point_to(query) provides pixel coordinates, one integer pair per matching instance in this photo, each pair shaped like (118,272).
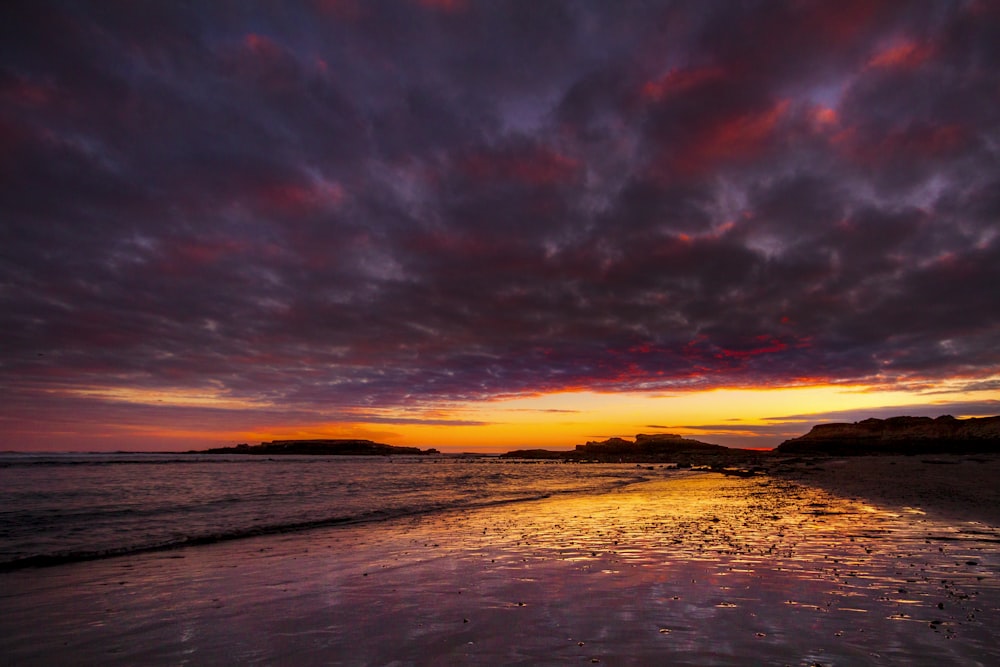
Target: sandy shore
(687,569)
(959,488)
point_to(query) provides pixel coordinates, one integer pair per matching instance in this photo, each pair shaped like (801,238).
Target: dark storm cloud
(356,204)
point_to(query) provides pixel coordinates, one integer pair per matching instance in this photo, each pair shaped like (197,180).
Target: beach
(958,487)
(687,568)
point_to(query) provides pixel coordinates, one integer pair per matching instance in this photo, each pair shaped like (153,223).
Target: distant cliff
(322,448)
(900,435)
(666,448)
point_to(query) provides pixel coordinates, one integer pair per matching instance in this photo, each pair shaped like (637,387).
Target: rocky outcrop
(655,446)
(543,454)
(900,435)
(660,448)
(322,448)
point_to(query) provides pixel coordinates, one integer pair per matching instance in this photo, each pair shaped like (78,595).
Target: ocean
(60,508)
(482,561)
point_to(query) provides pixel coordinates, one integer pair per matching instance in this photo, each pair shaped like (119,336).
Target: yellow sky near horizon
(115,418)
(735,417)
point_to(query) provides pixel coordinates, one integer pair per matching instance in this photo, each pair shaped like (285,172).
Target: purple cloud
(353,205)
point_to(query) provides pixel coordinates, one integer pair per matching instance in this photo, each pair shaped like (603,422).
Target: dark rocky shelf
(893,436)
(899,435)
(665,448)
(322,448)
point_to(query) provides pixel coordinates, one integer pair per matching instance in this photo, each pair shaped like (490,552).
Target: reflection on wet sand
(688,568)
(716,562)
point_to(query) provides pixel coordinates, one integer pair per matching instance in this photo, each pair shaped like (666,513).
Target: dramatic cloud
(337,205)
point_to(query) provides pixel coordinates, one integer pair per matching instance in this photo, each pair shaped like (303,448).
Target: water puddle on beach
(701,569)
(758,568)
(691,569)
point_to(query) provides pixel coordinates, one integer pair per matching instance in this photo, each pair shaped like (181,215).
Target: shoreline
(956,487)
(361,521)
(687,567)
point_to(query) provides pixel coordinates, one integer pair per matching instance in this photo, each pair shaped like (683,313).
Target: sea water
(686,568)
(68,507)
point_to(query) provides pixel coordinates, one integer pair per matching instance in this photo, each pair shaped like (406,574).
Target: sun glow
(737,417)
(179,419)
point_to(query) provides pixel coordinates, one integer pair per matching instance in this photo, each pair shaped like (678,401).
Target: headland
(322,448)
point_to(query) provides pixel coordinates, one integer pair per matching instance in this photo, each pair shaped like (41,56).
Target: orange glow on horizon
(180,420)
(752,418)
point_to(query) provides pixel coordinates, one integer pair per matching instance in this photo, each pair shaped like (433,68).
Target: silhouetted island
(322,448)
(899,435)
(658,448)
(896,435)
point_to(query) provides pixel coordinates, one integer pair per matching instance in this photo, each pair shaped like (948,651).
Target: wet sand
(686,569)
(961,488)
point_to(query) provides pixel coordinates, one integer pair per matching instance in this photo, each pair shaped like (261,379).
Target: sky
(481,226)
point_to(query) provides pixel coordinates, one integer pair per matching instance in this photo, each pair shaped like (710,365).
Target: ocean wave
(54,558)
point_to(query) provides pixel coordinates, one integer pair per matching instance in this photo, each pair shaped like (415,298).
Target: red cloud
(261,46)
(348,10)
(28,93)
(455,244)
(263,61)
(905,55)
(743,134)
(840,22)
(823,117)
(540,166)
(728,139)
(446,6)
(206,252)
(189,256)
(765,345)
(299,199)
(678,81)
(702,350)
(915,142)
